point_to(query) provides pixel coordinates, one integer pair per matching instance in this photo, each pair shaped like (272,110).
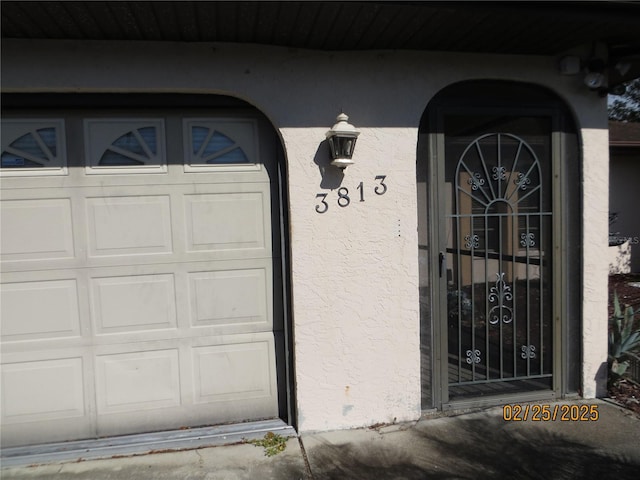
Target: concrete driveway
(479,445)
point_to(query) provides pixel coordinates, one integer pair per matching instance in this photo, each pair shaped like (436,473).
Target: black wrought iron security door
(496,254)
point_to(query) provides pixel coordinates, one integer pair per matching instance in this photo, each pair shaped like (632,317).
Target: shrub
(624,341)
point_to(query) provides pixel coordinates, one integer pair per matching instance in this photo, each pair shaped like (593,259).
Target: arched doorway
(496,171)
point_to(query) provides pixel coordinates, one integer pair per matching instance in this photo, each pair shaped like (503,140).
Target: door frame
(436,198)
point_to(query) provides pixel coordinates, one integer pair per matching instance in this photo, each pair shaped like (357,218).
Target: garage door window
(132,148)
(222,144)
(125,146)
(33,147)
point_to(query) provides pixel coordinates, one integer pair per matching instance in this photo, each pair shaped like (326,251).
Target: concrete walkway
(480,445)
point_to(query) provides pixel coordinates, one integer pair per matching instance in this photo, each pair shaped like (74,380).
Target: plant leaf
(627,322)
(617,312)
(619,367)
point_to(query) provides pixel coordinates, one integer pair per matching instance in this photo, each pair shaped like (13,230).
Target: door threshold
(496,400)
(143,443)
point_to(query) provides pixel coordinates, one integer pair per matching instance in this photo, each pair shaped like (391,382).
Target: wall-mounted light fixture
(342,141)
(595,73)
(595,78)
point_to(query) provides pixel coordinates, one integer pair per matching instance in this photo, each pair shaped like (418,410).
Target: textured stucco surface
(355,287)
(354,270)
(596,262)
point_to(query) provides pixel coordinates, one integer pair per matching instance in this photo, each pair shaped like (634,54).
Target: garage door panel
(133,303)
(132,225)
(225,221)
(36,229)
(47,431)
(138,289)
(226,177)
(137,381)
(206,380)
(230,297)
(39,310)
(42,390)
(233,372)
(175,418)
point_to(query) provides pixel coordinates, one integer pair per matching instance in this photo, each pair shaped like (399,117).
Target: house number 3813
(344,200)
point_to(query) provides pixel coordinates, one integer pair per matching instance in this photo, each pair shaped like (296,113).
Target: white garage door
(137,273)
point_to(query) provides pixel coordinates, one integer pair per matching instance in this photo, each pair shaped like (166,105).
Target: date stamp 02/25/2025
(550,413)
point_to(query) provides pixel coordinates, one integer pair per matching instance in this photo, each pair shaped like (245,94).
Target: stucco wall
(354,269)
(595,184)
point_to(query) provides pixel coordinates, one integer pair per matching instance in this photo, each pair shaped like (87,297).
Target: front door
(495,278)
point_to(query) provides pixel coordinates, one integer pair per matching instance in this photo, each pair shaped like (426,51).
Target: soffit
(538,28)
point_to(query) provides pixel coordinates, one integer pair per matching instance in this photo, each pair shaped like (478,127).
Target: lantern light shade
(594,80)
(342,141)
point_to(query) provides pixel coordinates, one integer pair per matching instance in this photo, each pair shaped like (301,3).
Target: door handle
(442,261)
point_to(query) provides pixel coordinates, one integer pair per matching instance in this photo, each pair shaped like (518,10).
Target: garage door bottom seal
(144,443)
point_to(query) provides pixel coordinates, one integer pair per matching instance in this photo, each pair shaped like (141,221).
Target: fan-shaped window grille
(213,147)
(119,146)
(488,190)
(32,146)
(220,143)
(138,147)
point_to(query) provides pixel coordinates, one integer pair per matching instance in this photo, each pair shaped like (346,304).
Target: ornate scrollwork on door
(500,293)
(528,351)
(473,356)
